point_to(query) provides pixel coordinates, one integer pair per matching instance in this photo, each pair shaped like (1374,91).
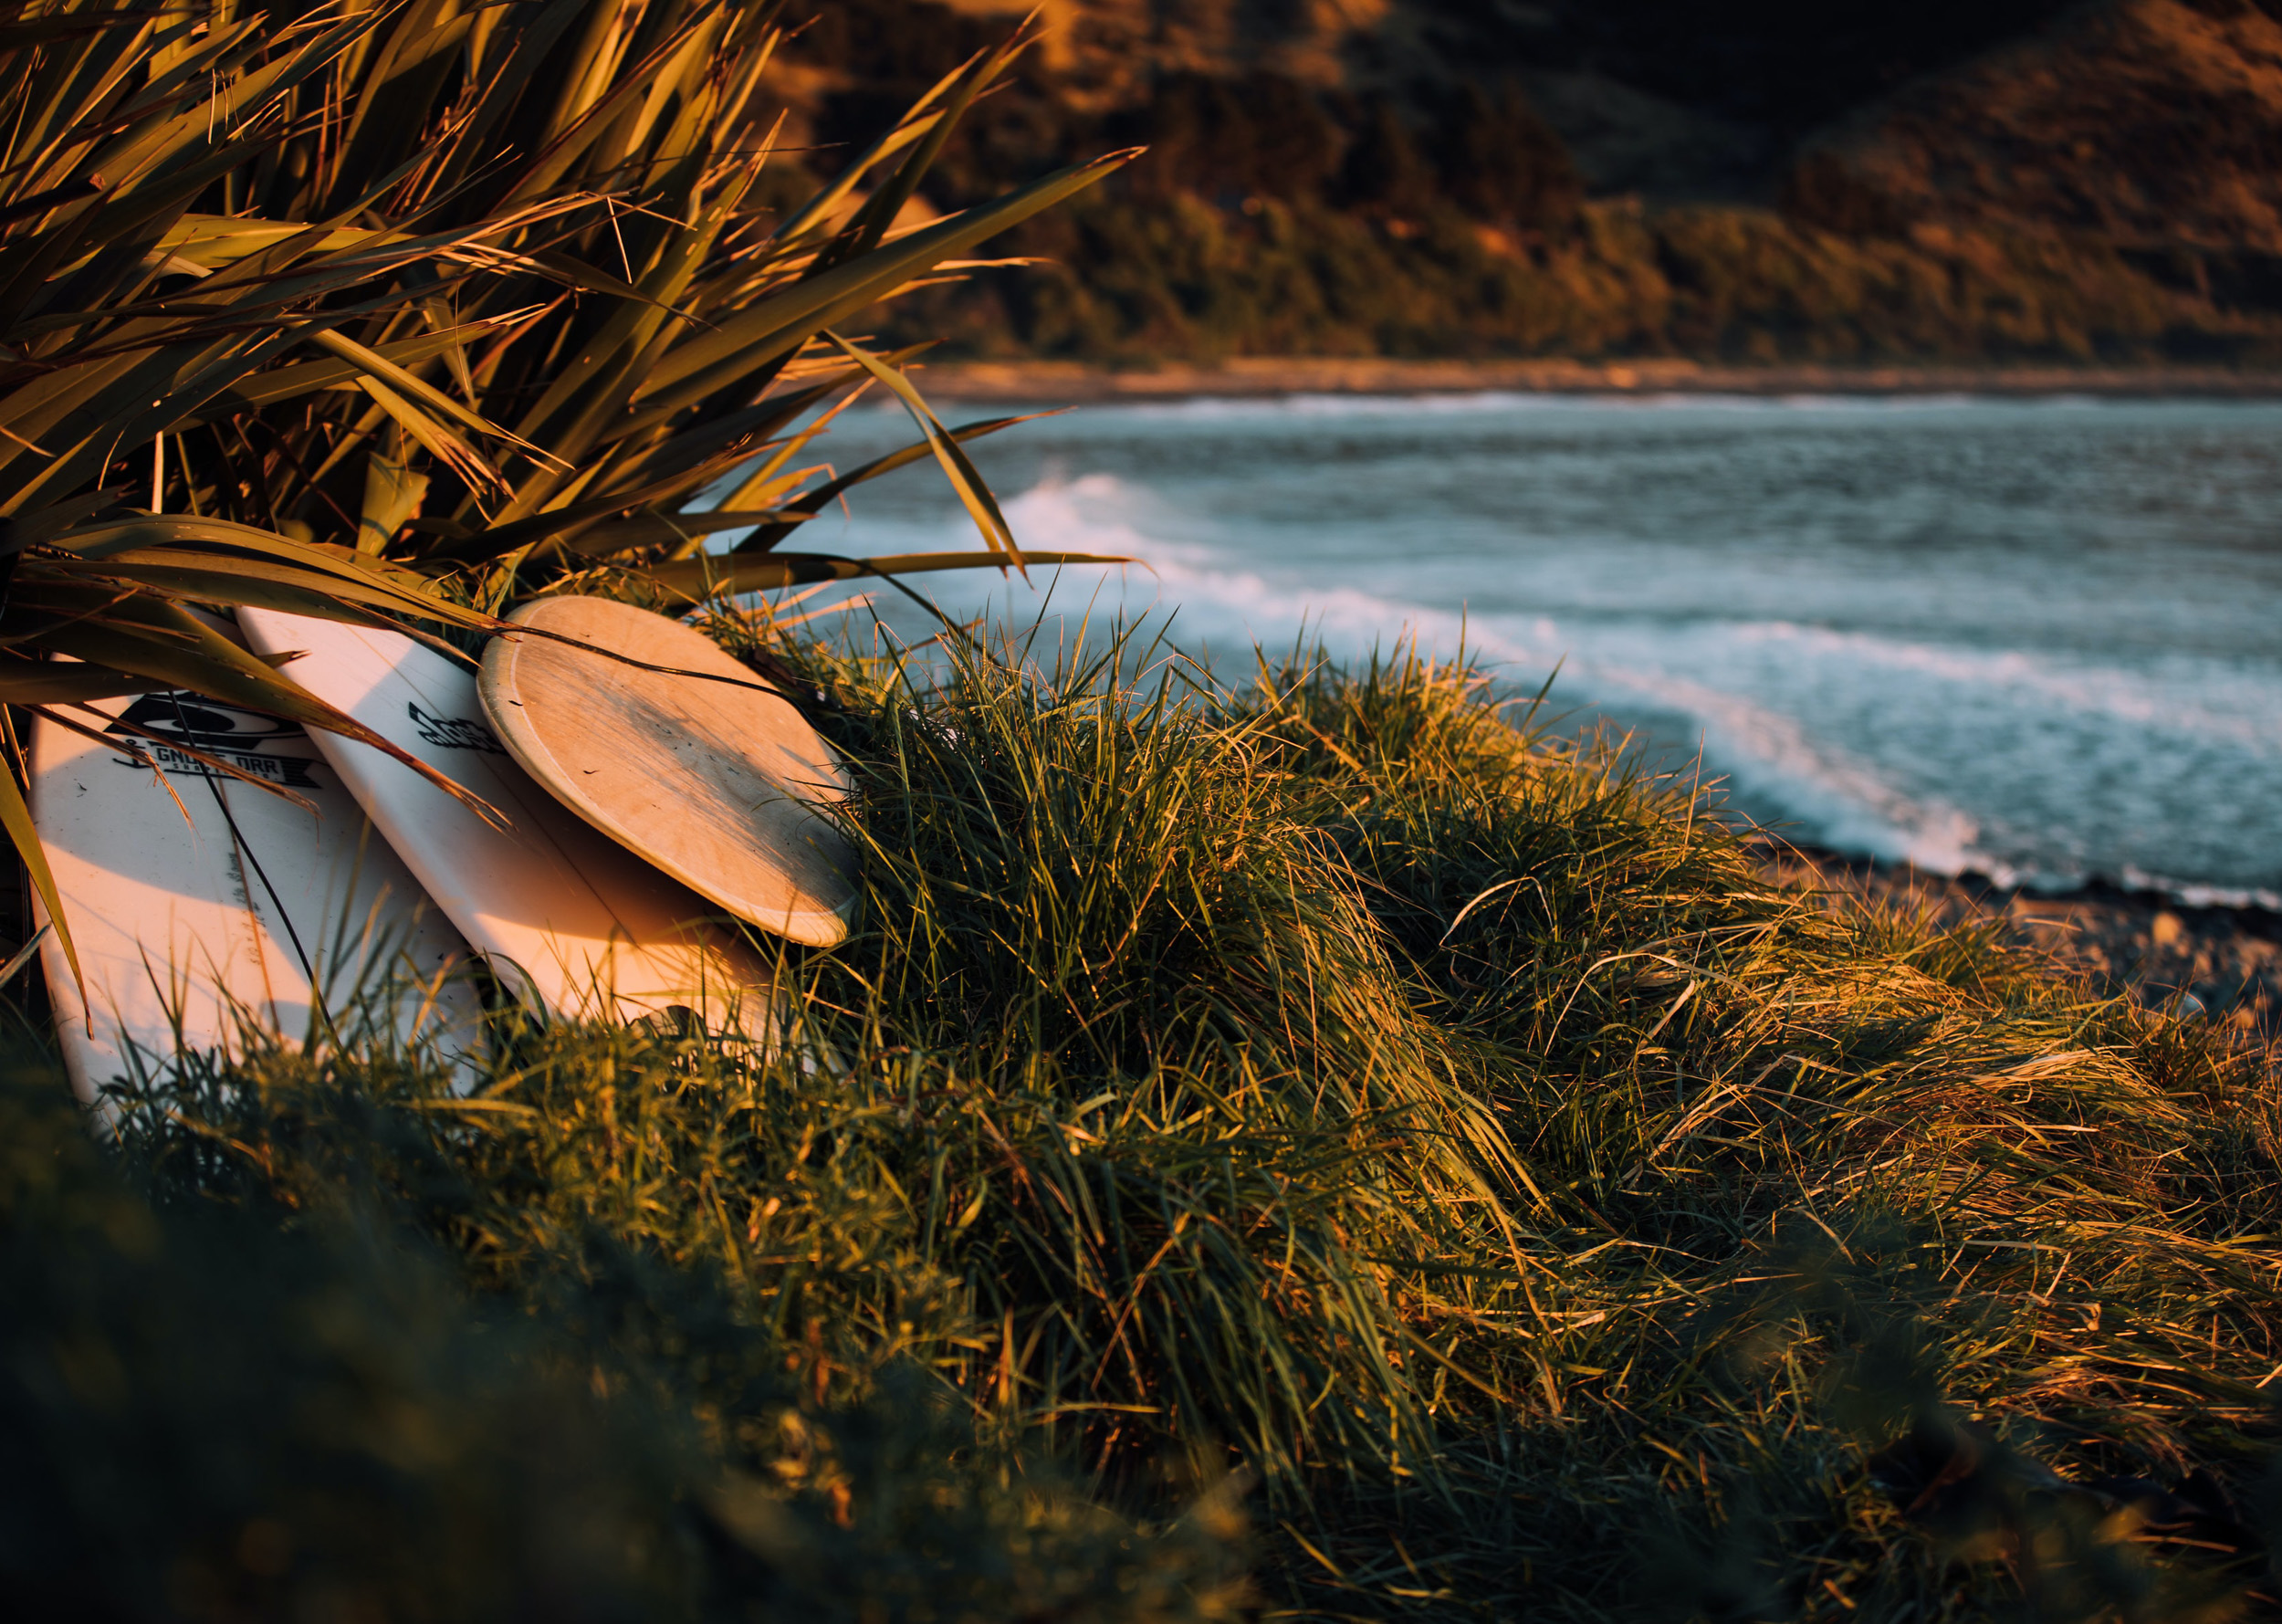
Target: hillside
(2016,181)
(2150,126)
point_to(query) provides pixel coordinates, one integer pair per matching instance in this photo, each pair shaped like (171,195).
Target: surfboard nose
(650,732)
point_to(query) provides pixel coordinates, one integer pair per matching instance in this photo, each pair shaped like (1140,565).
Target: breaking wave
(2035,761)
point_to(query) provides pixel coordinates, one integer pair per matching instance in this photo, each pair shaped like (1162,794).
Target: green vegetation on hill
(2011,182)
(1181,278)
(1322,1107)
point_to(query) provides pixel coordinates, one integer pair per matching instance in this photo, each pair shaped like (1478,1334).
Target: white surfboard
(576,926)
(720,784)
(218,909)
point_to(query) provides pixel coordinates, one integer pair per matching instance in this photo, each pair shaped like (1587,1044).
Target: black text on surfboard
(166,727)
(453,733)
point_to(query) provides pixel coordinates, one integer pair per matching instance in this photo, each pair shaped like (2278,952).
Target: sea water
(2036,639)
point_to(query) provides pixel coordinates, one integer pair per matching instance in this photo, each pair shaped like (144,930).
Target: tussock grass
(1338,1096)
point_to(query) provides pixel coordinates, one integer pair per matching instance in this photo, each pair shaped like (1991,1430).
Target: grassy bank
(1311,1151)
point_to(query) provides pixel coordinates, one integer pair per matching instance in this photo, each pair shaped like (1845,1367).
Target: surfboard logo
(453,733)
(165,726)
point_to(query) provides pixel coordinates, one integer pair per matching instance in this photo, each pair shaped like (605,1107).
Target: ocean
(2039,640)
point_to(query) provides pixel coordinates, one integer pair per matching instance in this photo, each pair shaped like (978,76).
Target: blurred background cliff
(1954,181)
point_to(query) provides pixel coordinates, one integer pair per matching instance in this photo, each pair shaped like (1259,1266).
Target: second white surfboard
(577,925)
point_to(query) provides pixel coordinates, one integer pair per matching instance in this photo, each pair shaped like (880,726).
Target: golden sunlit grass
(1327,1094)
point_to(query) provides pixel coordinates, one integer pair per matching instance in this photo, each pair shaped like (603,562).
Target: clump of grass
(248,1378)
(1332,1087)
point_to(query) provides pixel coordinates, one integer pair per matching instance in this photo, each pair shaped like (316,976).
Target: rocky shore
(2218,964)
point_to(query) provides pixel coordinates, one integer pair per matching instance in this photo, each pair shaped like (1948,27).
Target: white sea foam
(1843,801)
(1919,657)
(2193,894)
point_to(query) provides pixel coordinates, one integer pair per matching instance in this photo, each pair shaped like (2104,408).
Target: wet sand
(2216,963)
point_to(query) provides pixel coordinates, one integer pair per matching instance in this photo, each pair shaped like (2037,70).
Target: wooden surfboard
(575,926)
(716,782)
(219,907)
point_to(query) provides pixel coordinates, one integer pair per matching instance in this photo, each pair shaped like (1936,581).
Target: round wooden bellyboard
(715,783)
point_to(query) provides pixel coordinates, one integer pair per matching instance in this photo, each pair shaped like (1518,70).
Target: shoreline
(2219,960)
(999,382)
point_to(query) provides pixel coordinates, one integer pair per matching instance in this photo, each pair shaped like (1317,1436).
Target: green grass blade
(974,495)
(717,574)
(780,323)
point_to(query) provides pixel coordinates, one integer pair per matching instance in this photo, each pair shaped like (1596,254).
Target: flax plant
(403,312)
